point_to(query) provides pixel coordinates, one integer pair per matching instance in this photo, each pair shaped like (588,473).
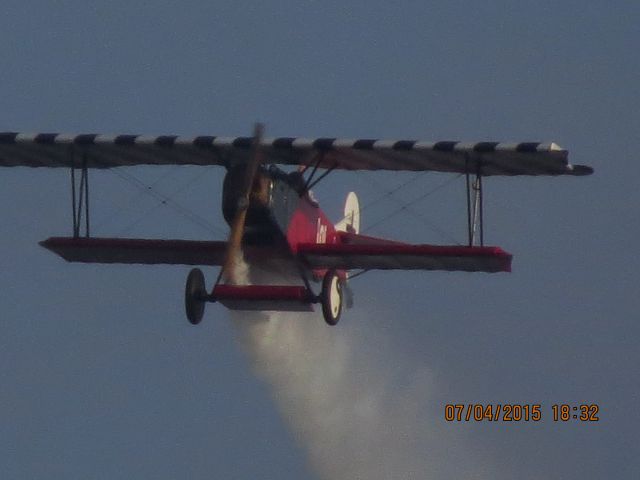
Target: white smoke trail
(360,408)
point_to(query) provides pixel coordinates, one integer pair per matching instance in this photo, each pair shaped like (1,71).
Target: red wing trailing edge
(288,298)
(372,255)
(368,253)
(136,251)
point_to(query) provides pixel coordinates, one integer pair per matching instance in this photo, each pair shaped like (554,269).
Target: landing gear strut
(331,297)
(195,296)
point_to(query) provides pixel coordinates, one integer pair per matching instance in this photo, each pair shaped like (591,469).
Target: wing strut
(80,196)
(311,182)
(475,214)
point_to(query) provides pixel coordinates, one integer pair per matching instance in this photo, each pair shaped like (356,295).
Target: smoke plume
(360,408)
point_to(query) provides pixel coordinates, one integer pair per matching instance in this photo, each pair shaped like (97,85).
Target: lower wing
(137,251)
(368,253)
(353,252)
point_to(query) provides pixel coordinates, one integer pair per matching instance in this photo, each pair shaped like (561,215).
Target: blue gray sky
(102,377)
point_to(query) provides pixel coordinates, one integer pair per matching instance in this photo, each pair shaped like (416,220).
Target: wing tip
(581,170)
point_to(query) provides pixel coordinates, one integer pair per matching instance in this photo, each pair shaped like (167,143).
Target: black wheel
(331,297)
(195,295)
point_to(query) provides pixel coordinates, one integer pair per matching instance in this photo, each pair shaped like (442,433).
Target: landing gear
(331,297)
(195,296)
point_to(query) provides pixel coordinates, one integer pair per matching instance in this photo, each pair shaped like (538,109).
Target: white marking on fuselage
(321,232)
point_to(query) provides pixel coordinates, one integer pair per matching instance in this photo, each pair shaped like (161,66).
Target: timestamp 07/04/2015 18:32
(516,412)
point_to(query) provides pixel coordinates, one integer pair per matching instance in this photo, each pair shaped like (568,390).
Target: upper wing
(106,151)
(368,253)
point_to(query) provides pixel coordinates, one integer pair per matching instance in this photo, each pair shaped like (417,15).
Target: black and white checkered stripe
(105,151)
(7,138)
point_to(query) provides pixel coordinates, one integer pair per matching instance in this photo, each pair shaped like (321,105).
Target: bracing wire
(185,211)
(405,207)
(132,199)
(388,193)
(167,200)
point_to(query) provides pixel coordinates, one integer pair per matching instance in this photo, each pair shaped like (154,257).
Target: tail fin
(351,220)
(350,223)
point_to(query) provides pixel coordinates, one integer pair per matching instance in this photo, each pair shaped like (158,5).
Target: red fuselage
(282,213)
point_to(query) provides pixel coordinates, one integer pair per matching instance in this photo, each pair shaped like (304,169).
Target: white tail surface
(351,220)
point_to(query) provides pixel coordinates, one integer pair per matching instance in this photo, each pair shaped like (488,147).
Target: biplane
(273,217)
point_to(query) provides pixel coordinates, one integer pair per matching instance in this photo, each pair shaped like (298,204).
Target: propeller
(237,226)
